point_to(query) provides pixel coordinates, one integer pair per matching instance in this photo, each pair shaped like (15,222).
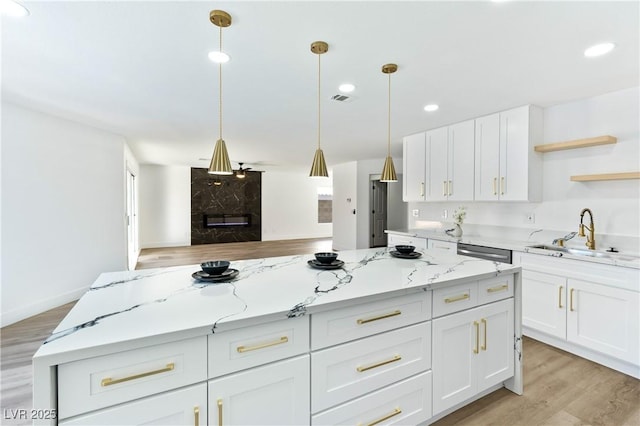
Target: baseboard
(162,244)
(40,306)
(293,237)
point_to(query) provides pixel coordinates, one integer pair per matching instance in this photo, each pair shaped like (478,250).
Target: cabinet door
(187,406)
(437,159)
(413,161)
(496,344)
(461,161)
(544,303)
(487,150)
(276,394)
(454,351)
(604,319)
(514,154)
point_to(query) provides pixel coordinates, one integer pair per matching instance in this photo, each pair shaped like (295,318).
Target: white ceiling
(140,69)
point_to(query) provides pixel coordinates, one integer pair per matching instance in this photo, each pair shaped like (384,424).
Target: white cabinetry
(396,239)
(413,163)
(506,166)
(276,394)
(450,152)
(449,246)
(587,309)
(472,351)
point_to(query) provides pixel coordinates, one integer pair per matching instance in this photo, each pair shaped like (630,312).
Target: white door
(487,152)
(276,394)
(345,204)
(514,155)
(438,160)
(132,222)
(604,319)
(413,162)
(461,161)
(454,352)
(187,406)
(544,303)
(496,344)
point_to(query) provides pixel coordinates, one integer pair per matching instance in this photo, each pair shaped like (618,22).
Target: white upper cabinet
(413,162)
(450,162)
(506,166)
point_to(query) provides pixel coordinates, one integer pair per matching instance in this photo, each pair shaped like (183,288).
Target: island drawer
(454,298)
(493,289)
(417,242)
(352,369)
(354,322)
(107,380)
(407,402)
(243,348)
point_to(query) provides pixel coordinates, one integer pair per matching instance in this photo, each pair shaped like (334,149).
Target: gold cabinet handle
(390,314)
(477,326)
(379,364)
(422,189)
(283,339)
(560,297)
(571,300)
(484,344)
(395,412)
(450,186)
(196,416)
(444,188)
(495,183)
(457,298)
(502,185)
(497,288)
(220,412)
(108,381)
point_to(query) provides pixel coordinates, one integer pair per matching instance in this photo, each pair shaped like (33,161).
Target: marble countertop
(615,259)
(134,308)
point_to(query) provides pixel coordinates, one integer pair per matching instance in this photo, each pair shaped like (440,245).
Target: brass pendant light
(319,166)
(220,164)
(389,170)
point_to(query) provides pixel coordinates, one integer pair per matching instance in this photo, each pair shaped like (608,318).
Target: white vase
(457,231)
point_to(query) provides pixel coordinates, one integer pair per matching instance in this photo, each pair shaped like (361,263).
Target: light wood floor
(560,388)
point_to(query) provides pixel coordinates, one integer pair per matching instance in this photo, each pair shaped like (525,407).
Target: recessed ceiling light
(599,49)
(13,8)
(431,107)
(219,57)
(346,88)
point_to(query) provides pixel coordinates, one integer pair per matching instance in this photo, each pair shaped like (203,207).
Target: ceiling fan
(241,172)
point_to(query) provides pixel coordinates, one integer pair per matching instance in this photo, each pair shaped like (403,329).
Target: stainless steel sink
(583,252)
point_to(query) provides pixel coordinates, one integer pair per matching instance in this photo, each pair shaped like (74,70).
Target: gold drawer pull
(571,300)
(219,412)
(196,416)
(395,412)
(495,181)
(283,339)
(457,298)
(477,326)
(484,345)
(560,297)
(379,364)
(497,288)
(108,381)
(390,314)
(502,185)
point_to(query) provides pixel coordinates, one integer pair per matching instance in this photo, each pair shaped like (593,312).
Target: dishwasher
(484,252)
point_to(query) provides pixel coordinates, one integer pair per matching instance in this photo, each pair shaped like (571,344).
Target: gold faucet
(591,238)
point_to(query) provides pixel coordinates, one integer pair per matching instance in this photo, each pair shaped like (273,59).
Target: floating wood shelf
(606,176)
(578,143)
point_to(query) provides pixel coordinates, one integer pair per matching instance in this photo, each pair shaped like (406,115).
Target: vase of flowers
(458,219)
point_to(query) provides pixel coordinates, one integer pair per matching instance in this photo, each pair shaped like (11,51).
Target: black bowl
(326,258)
(405,249)
(215,267)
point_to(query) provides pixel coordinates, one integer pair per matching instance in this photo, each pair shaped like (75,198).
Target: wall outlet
(416,213)
(530,218)
(445,214)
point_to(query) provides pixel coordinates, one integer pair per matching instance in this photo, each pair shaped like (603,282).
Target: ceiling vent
(341,98)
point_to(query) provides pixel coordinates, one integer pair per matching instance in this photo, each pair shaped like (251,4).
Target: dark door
(378,217)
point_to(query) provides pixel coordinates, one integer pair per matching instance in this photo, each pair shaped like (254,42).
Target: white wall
(290,206)
(615,204)
(63,210)
(165,206)
(345,200)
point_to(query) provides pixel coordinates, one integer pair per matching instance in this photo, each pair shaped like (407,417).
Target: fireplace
(225,220)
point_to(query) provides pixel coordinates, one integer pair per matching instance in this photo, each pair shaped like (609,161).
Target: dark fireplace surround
(225,209)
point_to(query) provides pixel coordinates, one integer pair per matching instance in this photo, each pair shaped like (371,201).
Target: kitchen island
(381,339)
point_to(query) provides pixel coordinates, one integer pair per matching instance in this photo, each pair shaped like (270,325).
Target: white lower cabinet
(275,394)
(545,307)
(450,246)
(396,239)
(187,406)
(407,402)
(472,351)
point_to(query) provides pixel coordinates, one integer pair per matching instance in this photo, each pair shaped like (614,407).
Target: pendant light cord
(389,121)
(319,101)
(220,82)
